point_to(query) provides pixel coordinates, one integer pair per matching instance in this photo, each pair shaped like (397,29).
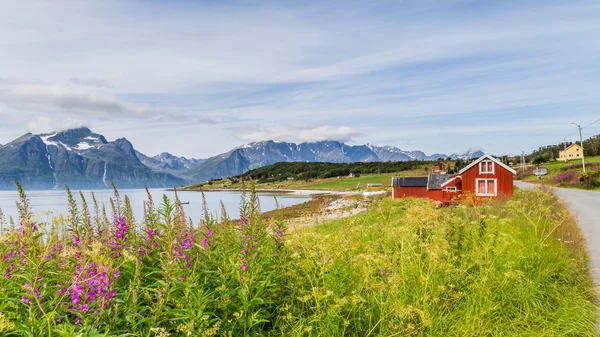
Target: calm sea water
(55,201)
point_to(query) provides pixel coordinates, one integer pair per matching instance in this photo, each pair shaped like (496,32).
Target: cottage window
(486,188)
(486,167)
(450,189)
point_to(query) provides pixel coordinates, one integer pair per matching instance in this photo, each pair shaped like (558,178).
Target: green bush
(590,179)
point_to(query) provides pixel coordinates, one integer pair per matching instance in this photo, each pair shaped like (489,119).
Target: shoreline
(292,192)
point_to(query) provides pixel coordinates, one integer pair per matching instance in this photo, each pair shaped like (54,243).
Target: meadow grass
(347,183)
(405,268)
(343,183)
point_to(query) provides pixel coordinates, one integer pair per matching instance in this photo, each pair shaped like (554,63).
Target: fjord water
(56,201)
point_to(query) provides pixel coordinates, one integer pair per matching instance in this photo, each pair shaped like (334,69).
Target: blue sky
(197,78)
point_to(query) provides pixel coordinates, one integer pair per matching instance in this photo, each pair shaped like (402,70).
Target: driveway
(585,206)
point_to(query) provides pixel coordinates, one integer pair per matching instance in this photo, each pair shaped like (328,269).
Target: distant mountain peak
(77,157)
(75,140)
(167,162)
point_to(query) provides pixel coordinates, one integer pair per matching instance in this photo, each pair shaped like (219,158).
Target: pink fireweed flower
(120,240)
(23,229)
(91,286)
(244,266)
(25,300)
(279,237)
(8,256)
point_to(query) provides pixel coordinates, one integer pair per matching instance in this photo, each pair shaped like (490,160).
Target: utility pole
(581,140)
(565,144)
(523,160)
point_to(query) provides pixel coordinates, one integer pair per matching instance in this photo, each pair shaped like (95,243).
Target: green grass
(408,269)
(404,268)
(347,183)
(342,183)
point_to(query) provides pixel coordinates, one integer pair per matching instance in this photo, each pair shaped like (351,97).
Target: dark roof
(436,180)
(409,182)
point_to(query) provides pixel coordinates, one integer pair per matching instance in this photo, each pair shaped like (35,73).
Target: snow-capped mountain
(470,154)
(166,162)
(258,154)
(78,158)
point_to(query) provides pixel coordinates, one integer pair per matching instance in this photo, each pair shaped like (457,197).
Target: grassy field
(405,268)
(341,183)
(512,269)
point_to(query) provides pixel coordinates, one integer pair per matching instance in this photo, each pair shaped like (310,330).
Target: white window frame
(487,172)
(477,193)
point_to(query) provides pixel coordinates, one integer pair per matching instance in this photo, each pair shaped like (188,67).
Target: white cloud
(68,98)
(43,124)
(295,133)
(90,81)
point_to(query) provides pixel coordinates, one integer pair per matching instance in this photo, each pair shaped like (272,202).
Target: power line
(563,140)
(592,123)
(574,133)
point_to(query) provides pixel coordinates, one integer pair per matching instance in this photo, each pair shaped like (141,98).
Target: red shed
(409,187)
(439,167)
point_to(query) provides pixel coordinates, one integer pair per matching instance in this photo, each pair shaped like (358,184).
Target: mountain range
(258,154)
(83,159)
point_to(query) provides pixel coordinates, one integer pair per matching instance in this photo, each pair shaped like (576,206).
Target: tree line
(305,171)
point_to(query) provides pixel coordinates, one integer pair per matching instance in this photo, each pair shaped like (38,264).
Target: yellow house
(572,152)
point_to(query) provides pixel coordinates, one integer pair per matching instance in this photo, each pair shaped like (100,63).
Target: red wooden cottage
(485,178)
